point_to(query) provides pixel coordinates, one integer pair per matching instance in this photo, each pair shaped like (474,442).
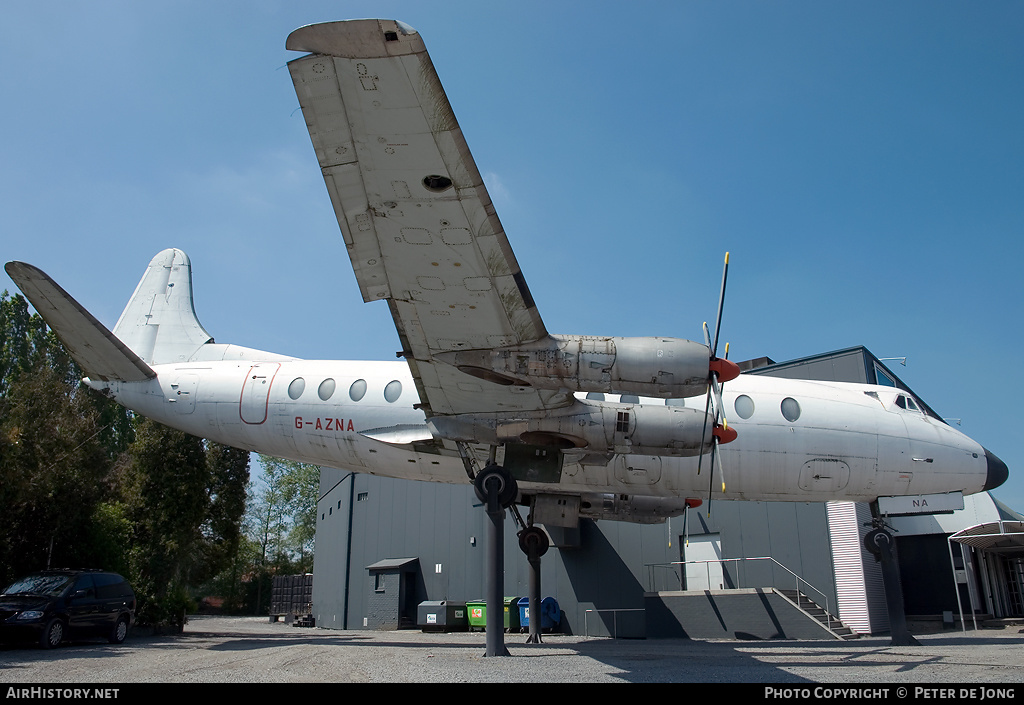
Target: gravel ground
(252,650)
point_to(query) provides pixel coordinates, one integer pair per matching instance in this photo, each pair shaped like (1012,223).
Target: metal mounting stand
(880,543)
(534,543)
(497,489)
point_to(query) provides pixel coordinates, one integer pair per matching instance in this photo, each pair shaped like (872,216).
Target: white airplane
(597,427)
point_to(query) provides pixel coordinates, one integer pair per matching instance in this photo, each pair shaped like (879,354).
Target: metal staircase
(809,607)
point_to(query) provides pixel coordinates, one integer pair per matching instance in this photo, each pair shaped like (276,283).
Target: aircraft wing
(418,223)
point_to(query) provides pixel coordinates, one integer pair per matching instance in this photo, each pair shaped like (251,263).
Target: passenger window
(84,582)
(629,399)
(790,409)
(326,389)
(744,406)
(296,388)
(357,390)
(595,396)
(393,391)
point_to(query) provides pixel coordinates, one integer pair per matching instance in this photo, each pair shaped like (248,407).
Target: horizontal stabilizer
(96,350)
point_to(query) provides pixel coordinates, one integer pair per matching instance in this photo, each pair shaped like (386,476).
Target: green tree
(58,440)
(80,488)
(53,473)
(285,512)
(165,487)
(281,521)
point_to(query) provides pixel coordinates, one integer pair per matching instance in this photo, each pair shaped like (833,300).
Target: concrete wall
(735,614)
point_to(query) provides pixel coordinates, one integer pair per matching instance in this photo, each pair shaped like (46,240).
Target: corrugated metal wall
(859,590)
(609,569)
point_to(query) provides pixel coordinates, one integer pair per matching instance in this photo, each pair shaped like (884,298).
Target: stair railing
(801,585)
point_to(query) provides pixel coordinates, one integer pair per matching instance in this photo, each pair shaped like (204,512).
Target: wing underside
(417,220)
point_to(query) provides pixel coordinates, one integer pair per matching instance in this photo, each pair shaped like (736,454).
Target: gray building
(627,579)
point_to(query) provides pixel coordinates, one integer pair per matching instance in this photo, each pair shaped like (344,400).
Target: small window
(326,389)
(296,388)
(392,391)
(790,409)
(905,402)
(629,399)
(883,379)
(595,396)
(357,390)
(675,402)
(744,406)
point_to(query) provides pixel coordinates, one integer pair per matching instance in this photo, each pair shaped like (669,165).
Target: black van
(53,605)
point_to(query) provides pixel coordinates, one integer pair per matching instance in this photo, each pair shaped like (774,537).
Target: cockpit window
(904,401)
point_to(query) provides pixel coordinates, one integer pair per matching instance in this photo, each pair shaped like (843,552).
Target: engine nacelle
(667,368)
(638,509)
(600,427)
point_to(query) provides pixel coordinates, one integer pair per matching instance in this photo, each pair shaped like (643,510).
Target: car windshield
(45,585)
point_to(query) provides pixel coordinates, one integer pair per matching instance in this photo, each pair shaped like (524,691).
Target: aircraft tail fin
(160,323)
(96,350)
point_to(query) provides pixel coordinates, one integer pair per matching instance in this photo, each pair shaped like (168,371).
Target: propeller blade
(721,468)
(721,306)
(711,475)
(719,407)
(704,430)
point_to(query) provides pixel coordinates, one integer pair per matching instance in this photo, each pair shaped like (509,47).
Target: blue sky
(862,161)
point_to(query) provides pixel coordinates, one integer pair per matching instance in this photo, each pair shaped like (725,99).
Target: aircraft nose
(997,471)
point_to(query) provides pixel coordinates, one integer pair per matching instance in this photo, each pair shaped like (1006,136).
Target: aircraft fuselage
(801,440)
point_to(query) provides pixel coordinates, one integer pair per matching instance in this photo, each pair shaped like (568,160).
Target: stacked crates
(292,598)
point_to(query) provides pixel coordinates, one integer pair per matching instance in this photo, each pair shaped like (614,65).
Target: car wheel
(53,634)
(120,631)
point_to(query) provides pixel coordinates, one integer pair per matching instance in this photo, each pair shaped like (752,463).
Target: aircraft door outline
(254,402)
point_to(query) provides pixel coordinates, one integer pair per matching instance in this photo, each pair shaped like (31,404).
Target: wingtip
(356,39)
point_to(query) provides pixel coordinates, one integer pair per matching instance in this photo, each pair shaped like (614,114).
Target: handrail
(799,581)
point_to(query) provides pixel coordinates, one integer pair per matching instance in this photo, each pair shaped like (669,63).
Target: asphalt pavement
(253,650)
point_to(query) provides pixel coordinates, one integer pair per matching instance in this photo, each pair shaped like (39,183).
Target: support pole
(535,615)
(880,542)
(534,543)
(495,570)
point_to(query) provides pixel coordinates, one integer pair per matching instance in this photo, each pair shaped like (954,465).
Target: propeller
(719,372)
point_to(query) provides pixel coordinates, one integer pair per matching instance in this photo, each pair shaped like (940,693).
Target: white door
(706,573)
